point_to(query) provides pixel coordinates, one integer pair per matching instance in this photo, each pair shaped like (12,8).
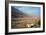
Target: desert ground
(26,22)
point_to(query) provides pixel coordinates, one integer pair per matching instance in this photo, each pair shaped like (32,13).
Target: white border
(25,29)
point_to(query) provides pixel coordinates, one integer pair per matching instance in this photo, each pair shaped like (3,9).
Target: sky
(35,11)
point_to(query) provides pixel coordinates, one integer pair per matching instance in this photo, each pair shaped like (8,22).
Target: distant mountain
(16,13)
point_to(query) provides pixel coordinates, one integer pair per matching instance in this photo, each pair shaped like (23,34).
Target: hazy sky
(35,11)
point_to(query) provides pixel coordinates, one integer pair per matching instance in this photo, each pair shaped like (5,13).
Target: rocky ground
(25,22)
